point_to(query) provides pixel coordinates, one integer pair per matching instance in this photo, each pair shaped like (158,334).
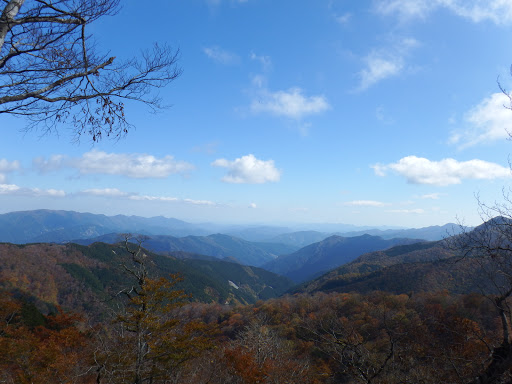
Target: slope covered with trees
(135,325)
(218,245)
(82,278)
(327,254)
(321,338)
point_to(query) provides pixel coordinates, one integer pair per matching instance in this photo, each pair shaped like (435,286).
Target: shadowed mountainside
(218,245)
(332,252)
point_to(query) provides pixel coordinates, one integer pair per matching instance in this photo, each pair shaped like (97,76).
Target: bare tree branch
(52,74)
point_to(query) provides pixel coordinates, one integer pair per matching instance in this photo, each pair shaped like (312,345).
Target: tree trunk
(9,13)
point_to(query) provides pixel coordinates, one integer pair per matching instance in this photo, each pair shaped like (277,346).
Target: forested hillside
(332,252)
(218,245)
(410,313)
(334,338)
(83,278)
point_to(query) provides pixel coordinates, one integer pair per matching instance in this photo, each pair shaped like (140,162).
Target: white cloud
(432,196)
(252,205)
(167,199)
(249,170)
(8,189)
(365,203)
(7,167)
(259,81)
(199,202)
(130,165)
(343,19)
(12,189)
(489,121)
(379,169)
(152,198)
(381,64)
(291,103)
(47,192)
(116,193)
(379,68)
(108,192)
(53,163)
(496,11)
(406,8)
(220,55)
(265,61)
(418,170)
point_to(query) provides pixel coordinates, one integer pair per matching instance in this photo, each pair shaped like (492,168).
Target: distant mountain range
(432,233)
(421,267)
(298,255)
(371,264)
(218,245)
(436,232)
(300,238)
(332,252)
(216,268)
(64,226)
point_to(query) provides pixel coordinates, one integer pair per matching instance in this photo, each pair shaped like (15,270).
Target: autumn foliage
(52,352)
(321,338)
(147,329)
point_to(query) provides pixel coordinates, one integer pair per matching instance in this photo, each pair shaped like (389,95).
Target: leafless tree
(489,246)
(51,71)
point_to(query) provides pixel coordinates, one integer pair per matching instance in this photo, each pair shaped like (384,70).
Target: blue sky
(363,112)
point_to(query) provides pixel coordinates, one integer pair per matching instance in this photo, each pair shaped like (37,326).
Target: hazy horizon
(376,113)
(296,226)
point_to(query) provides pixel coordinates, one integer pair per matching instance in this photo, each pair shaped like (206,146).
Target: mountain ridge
(220,246)
(327,254)
(45,225)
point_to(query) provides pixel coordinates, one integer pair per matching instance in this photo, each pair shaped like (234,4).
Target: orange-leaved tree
(147,342)
(49,353)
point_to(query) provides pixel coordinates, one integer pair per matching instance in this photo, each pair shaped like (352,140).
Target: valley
(293,297)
